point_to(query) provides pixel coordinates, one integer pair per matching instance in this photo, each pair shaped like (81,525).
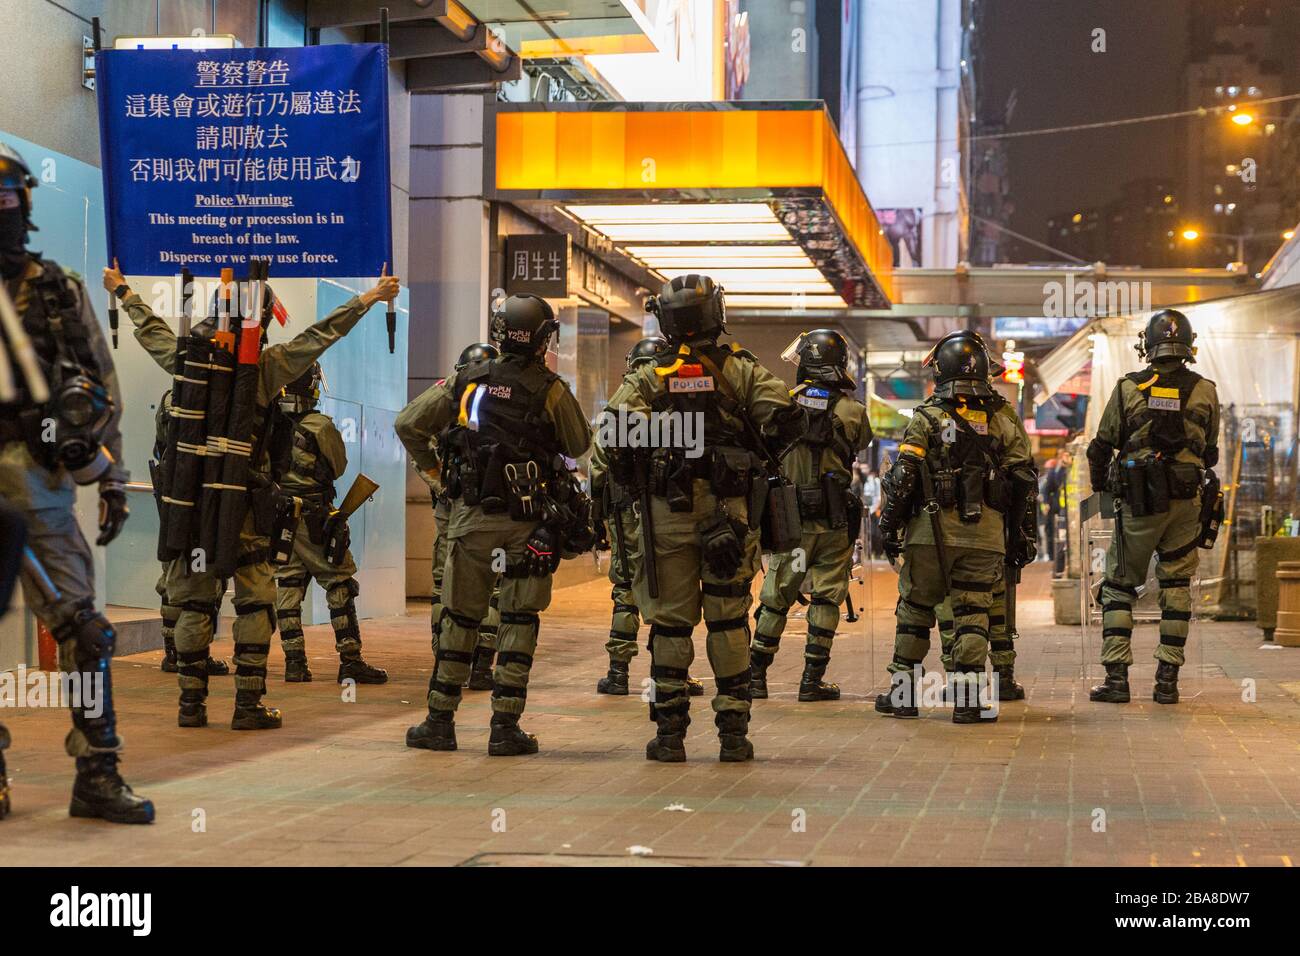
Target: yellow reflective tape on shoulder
(1147,384)
(463,417)
(669,369)
(908,448)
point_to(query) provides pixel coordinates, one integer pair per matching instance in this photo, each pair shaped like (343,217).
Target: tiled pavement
(1215,780)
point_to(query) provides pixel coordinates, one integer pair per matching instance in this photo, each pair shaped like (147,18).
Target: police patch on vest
(694,383)
(1164,399)
(977,418)
(498,391)
(814,398)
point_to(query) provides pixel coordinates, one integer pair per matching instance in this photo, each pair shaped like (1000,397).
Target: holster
(262,501)
(1212,511)
(284,529)
(782,529)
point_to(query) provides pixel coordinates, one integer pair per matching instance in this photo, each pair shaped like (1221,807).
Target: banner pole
(113,318)
(390,317)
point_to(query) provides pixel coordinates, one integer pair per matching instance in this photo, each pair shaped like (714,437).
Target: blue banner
(215,157)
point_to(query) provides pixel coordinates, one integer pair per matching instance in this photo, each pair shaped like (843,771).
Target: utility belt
(728,470)
(969,488)
(490,476)
(1147,485)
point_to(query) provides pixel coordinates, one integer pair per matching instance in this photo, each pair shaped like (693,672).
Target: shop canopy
(760,196)
(1247,344)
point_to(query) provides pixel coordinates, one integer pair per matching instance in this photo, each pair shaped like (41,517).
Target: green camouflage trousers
(341,589)
(1002,648)
(687,589)
(626,619)
(972,574)
(487,632)
(826,558)
(198,594)
(48,501)
(1172,538)
(469,580)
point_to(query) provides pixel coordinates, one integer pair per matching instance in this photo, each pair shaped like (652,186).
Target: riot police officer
(38,475)
(317,460)
(504,427)
(198,590)
(694,494)
(480,673)
(1155,450)
(167,611)
(614,507)
(963,473)
(820,464)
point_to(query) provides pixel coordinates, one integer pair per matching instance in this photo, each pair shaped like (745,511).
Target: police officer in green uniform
(962,470)
(169,612)
(820,464)
(505,427)
(480,673)
(614,506)
(199,591)
(39,472)
(1155,450)
(697,550)
(318,459)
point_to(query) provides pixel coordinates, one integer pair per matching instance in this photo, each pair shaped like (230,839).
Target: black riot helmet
(17,176)
(1168,335)
(302,394)
(960,362)
(240,291)
(823,358)
(478,352)
(524,324)
(689,307)
(645,350)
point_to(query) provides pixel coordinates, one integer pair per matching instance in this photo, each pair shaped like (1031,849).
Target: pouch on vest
(1184,480)
(492,496)
(782,529)
(812,502)
(945,488)
(835,492)
(732,472)
(970,492)
(1157,486)
(1133,486)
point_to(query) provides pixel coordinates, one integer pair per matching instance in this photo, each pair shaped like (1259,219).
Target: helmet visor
(791,353)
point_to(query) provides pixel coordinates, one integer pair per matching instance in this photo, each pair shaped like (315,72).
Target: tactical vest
(501,426)
(308,463)
(690,389)
(825,430)
(966,472)
(52,319)
(1161,424)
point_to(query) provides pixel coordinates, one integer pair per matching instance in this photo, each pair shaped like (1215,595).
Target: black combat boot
(352,667)
(507,740)
(296,670)
(669,745)
(1166,689)
(480,675)
(437,732)
(194,708)
(966,707)
(100,792)
(900,699)
(251,715)
(811,685)
(1115,688)
(733,725)
(758,665)
(614,682)
(693,687)
(1008,689)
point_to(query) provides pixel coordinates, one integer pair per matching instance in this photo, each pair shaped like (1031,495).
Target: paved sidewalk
(1215,780)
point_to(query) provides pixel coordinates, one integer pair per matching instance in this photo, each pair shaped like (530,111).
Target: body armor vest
(825,431)
(966,471)
(690,390)
(1161,425)
(501,421)
(309,465)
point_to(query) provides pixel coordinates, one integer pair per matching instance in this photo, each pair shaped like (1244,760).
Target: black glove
(602,537)
(1022,552)
(541,553)
(893,543)
(112,510)
(723,547)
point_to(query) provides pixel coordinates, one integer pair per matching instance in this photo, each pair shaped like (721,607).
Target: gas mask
(79,410)
(13,234)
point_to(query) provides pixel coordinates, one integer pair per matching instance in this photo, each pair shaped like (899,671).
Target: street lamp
(1191,234)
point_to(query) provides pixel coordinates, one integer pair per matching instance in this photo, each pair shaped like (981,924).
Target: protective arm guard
(1100,454)
(901,486)
(1022,530)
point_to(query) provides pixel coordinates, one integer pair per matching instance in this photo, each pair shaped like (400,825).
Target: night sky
(1042,49)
